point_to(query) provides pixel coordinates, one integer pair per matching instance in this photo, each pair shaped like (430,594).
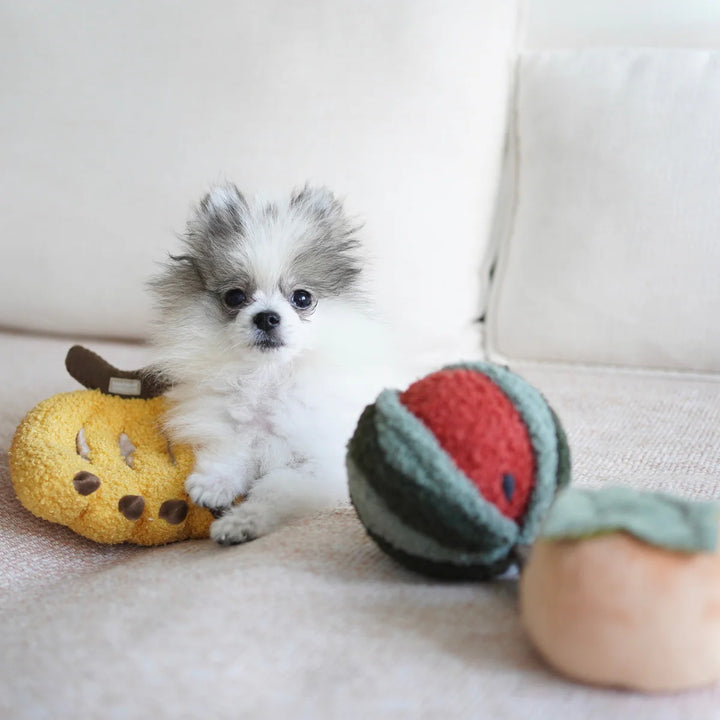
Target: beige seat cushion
(315,621)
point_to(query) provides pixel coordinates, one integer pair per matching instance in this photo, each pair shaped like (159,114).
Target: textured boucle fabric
(95,491)
(488,449)
(659,519)
(548,438)
(435,512)
(315,621)
(399,458)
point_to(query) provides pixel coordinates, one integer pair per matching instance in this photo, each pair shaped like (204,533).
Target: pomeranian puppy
(265,335)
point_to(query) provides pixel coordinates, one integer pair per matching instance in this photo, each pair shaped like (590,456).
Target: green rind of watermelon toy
(451,475)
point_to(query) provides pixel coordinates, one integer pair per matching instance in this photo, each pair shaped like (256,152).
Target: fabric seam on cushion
(501,243)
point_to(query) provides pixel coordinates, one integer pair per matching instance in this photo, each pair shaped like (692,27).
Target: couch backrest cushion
(614,250)
(116,117)
(564,24)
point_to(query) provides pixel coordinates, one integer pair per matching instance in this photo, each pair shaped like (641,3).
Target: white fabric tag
(124,386)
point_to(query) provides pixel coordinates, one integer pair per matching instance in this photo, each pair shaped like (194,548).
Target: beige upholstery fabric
(552,24)
(613,253)
(314,621)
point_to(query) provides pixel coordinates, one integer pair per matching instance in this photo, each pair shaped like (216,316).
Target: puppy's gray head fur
(329,260)
(266,251)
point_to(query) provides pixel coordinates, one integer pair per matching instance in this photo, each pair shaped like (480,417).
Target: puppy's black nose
(266,321)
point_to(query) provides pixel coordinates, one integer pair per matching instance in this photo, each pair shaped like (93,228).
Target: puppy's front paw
(240,524)
(210,491)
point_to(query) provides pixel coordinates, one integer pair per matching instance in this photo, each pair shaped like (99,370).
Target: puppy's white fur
(267,422)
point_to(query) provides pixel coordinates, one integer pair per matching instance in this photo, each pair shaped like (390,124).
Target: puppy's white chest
(258,415)
(251,418)
(264,430)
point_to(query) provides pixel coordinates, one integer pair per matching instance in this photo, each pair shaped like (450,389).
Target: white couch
(550,169)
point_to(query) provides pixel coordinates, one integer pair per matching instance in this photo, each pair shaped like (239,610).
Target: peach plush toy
(622,588)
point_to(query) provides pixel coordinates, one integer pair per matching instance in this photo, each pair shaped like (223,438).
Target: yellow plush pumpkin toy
(97,461)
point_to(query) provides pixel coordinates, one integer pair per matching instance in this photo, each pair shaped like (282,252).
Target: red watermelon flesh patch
(482,431)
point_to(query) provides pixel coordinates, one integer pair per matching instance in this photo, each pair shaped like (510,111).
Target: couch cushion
(314,620)
(620,23)
(613,255)
(117,117)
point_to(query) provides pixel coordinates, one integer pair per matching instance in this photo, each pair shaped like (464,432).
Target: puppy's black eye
(301,299)
(234,298)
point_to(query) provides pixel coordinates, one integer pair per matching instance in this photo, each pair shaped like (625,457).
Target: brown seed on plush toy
(605,603)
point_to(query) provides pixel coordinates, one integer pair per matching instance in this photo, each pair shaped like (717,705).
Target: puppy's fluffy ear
(330,258)
(220,214)
(316,201)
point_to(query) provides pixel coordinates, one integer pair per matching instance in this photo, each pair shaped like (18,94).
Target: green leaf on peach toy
(657,518)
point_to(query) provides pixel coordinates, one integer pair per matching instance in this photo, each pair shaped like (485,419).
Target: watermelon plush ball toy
(450,476)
